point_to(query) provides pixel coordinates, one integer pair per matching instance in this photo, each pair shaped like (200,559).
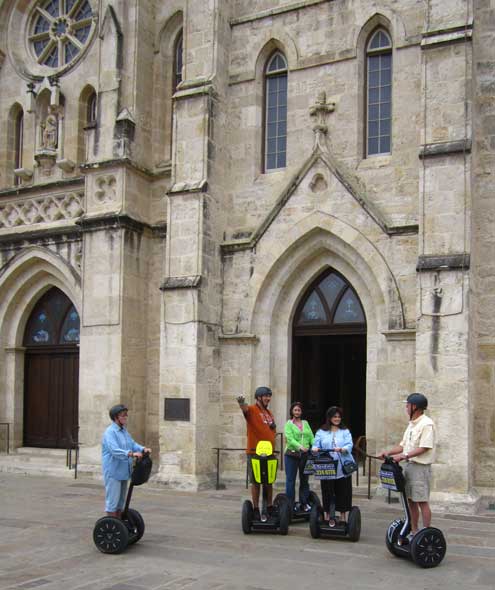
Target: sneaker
(307,508)
(270,511)
(297,507)
(256,514)
(410,537)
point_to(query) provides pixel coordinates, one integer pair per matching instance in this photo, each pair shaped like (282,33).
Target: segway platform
(264,468)
(114,535)
(428,546)
(325,467)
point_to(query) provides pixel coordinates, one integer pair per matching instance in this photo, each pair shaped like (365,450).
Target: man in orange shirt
(260,426)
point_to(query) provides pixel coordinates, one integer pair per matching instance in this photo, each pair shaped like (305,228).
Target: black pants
(341,489)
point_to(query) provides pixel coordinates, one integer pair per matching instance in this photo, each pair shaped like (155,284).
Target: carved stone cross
(320,111)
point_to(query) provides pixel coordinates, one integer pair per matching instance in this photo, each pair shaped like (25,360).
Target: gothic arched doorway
(51,379)
(329,352)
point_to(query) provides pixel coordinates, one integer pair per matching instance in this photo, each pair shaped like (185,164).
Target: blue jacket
(115,446)
(343,438)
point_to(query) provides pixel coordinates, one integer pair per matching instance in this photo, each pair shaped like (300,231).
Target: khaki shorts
(418,478)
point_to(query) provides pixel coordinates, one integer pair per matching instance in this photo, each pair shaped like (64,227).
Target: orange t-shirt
(258,427)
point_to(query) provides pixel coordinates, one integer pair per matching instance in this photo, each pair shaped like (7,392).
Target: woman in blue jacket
(118,449)
(334,435)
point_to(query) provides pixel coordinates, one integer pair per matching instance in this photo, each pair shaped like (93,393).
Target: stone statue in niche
(49,130)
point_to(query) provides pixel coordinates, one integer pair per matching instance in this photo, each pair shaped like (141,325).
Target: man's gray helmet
(261,391)
(115,411)
(418,399)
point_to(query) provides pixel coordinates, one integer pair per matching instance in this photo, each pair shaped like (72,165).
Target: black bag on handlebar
(142,470)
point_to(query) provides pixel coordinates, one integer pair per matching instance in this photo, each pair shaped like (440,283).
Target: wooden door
(51,398)
(51,373)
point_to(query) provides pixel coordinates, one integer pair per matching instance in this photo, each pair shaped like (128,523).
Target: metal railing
(219,450)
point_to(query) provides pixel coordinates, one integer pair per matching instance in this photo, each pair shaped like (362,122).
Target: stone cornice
(59,234)
(111,220)
(173,283)
(275,11)
(443,262)
(400,335)
(445,148)
(127,163)
(36,188)
(456,34)
(188,187)
(241,338)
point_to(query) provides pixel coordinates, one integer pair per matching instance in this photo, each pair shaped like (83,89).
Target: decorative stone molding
(46,159)
(106,190)
(445,148)
(458,34)
(320,111)
(172,283)
(111,221)
(443,262)
(45,209)
(66,165)
(400,335)
(241,338)
(23,173)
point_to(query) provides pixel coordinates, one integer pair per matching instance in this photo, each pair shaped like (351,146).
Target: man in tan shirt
(417,447)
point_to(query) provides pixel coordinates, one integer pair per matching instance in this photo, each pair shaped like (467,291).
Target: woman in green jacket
(299,438)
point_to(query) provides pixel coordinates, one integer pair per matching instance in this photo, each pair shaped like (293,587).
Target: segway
(264,468)
(298,512)
(428,546)
(113,535)
(325,467)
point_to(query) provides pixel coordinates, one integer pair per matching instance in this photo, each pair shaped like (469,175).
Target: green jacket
(296,439)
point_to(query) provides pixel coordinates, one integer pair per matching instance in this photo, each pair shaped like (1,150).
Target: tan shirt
(420,433)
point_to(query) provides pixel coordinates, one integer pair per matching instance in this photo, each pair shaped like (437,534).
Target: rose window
(60,30)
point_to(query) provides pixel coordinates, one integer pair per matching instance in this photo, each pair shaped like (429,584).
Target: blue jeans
(292,466)
(115,492)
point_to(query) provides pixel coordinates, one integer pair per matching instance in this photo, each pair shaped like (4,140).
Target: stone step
(36,461)
(40,451)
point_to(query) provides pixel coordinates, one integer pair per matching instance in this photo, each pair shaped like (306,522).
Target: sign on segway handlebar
(391,477)
(325,468)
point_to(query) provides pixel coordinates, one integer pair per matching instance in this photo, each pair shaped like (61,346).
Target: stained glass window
(54,320)
(70,328)
(313,310)
(349,309)
(60,30)
(276,113)
(331,305)
(379,94)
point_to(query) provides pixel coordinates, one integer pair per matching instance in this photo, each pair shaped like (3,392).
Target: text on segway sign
(325,470)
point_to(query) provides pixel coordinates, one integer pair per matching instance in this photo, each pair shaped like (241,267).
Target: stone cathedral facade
(200,197)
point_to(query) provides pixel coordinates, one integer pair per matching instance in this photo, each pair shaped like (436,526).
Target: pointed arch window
(18,140)
(379,93)
(275,141)
(91,110)
(53,321)
(330,306)
(177,73)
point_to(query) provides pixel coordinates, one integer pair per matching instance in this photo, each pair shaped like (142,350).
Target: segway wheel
(428,547)
(313,499)
(354,524)
(284,507)
(314,521)
(135,525)
(247,517)
(110,535)
(392,537)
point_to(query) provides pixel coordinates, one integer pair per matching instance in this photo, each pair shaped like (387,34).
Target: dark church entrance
(329,353)
(51,380)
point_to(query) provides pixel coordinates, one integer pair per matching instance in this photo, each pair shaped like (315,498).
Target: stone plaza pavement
(194,541)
